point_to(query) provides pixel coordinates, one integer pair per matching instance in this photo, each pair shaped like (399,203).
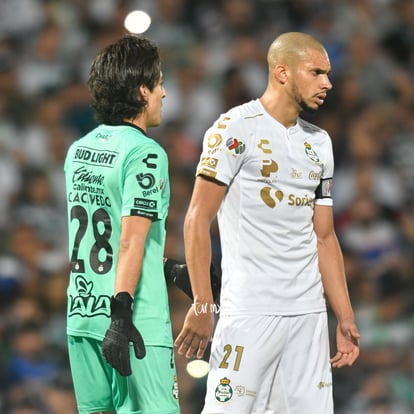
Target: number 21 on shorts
(228,351)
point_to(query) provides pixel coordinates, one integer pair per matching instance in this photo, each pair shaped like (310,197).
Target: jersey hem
(250,312)
(70,332)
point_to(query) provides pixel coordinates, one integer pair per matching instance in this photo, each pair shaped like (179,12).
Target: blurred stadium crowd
(214,57)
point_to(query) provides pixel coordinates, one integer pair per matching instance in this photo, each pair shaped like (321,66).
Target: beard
(303,106)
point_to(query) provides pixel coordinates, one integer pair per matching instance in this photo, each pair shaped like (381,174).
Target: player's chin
(310,108)
(155,122)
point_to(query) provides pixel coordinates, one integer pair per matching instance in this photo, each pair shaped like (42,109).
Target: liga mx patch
(235,147)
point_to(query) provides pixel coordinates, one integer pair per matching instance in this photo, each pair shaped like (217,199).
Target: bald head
(291,48)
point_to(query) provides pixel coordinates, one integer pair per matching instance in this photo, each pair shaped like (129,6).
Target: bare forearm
(331,266)
(197,242)
(131,253)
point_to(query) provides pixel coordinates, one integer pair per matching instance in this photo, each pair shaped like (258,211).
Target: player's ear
(143,91)
(280,72)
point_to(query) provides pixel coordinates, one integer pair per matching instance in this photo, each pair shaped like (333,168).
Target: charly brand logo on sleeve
(147,161)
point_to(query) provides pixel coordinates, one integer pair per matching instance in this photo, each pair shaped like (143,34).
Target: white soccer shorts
(270,365)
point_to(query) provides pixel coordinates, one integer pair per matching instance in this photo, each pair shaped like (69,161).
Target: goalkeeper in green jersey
(118,323)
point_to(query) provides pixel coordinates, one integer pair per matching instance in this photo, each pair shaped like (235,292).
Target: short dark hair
(116,74)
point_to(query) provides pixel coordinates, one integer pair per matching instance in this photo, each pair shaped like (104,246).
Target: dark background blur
(214,57)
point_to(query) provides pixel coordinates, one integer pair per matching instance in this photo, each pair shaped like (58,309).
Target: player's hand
(177,273)
(347,344)
(197,331)
(115,346)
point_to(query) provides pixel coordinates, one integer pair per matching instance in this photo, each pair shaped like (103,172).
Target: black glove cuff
(122,306)
(171,267)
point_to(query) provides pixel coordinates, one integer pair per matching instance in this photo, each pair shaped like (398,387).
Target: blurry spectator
(401,146)
(37,208)
(377,77)
(363,170)
(373,17)
(19,19)
(172,28)
(321,24)
(12,280)
(373,239)
(190,99)
(398,40)
(235,89)
(53,301)
(29,360)
(24,246)
(43,67)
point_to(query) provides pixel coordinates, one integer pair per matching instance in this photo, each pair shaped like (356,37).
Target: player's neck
(281,109)
(139,122)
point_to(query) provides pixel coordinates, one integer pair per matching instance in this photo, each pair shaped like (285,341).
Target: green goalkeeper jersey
(111,172)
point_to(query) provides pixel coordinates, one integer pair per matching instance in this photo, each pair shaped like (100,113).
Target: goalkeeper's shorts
(151,388)
(270,365)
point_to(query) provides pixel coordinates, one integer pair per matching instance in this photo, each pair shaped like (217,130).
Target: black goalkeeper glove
(177,273)
(115,346)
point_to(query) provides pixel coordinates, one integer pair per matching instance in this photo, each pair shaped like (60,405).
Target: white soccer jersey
(274,175)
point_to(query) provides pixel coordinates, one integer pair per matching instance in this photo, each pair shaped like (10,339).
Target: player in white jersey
(267,175)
